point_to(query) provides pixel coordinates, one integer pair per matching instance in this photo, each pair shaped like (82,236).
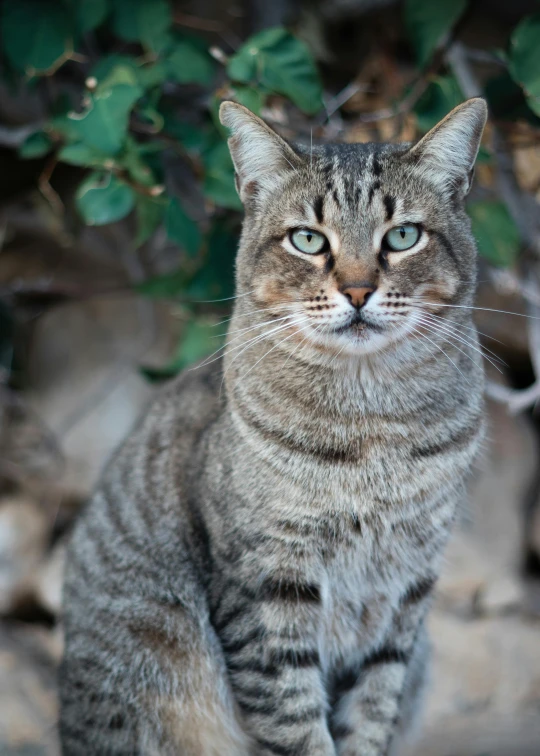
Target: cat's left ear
(261,157)
(446,154)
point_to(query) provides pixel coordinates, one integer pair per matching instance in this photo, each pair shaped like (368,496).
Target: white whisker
(270,350)
(442,350)
(262,337)
(482,309)
(460,337)
(469,328)
(449,336)
(277,308)
(224,299)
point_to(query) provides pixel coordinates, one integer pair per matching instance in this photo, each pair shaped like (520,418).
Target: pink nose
(358,295)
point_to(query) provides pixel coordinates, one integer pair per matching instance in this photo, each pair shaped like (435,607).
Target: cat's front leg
(270,639)
(366,717)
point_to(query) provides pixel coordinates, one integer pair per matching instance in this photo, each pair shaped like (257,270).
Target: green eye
(402,237)
(308,241)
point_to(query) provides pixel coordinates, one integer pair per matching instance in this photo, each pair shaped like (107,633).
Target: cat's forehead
(353,159)
(355,171)
(358,180)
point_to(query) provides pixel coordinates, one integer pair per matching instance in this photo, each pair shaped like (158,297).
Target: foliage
(524,59)
(123,106)
(428,23)
(128,125)
(495,232)
(135,107)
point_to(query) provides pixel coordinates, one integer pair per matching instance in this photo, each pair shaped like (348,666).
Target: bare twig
(14,136)
(44,183)
(402,107)
(516,401)
(194,22)
(518,202)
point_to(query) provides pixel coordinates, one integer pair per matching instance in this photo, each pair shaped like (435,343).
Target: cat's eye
(402,237)
(308,241)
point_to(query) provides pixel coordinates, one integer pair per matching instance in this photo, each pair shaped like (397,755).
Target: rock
(47,583)
(500,596)
(24,534)
(28,708)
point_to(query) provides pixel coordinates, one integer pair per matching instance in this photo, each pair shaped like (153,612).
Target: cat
(252,576)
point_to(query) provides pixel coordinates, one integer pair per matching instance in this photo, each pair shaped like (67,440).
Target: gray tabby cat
(253,574)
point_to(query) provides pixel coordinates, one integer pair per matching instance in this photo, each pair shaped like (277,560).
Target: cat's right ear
(261,157)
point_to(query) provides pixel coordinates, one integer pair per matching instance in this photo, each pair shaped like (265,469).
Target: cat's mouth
(358,326)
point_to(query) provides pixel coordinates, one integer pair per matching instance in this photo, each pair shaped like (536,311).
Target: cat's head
(351,245)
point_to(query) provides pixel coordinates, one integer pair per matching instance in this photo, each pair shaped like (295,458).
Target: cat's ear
(261,158)
(446,154)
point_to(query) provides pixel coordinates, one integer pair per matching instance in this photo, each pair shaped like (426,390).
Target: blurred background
(118,229)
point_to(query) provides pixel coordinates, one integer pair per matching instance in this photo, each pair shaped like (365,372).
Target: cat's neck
(286,377)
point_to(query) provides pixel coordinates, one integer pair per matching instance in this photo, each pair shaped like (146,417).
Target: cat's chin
(356,340)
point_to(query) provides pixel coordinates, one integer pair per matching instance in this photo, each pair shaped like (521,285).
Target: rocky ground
(484,696)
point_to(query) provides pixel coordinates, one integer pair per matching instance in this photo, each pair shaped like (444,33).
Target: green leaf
(181,229)
(106,64)
(187,63)
(428,22)
(152,75)
(215,279)
(35,146)
(484,155)
(7,336)
(524,59)
(252,98)
(88,14)
(104,199)
(103,125)
(166,286)
(81,154)
(120,75)
(281,63)
(195,139)
(36,35)
(150,213)
(219,183)
(145,21)
(146,75)
(132,161)
(150,116)
(496,234)
(198,341)
(440,97)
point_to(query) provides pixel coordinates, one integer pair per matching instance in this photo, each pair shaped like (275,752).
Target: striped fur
(252,576)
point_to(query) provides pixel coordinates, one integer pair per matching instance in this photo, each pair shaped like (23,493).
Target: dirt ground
(484,695)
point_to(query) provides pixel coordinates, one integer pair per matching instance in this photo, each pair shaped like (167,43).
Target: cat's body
(253,575)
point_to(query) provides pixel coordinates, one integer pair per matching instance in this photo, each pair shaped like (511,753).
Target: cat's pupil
(309,237)
(402,232)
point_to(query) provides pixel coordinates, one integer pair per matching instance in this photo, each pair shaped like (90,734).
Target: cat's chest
(366,576)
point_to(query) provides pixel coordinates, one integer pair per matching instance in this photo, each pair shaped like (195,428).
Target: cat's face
(351,246)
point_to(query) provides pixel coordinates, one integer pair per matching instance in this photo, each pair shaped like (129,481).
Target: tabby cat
(253,575)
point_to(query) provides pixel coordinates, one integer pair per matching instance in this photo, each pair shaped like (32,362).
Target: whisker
(316,330)
(442,350)
(270,350)
(209,361)
(434,330)
(223,299)
(256,325)
(262,337)
(469,328)
(280,305)
(482,309)
(447,329)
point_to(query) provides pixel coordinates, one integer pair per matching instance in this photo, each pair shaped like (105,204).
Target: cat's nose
(357,295)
